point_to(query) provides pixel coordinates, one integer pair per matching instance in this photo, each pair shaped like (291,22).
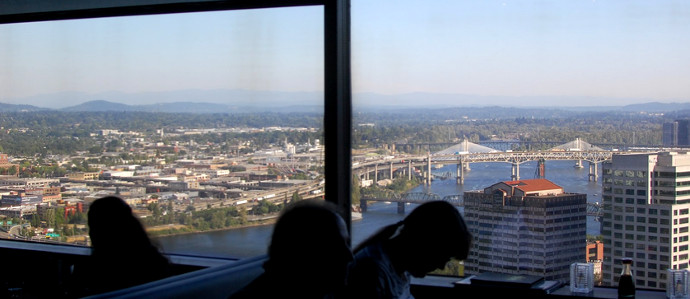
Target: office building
(676,133)
(646,199)
(528,227)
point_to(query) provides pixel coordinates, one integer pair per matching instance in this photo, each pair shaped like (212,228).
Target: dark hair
(431,223)
(302,232)
(109,218)
(122,253)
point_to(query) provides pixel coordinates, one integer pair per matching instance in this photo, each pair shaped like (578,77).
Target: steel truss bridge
(521,157)
(593,209)
(463,160)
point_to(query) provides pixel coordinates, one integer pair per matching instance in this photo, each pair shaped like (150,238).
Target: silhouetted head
(310,243)
(112,226)
(431,234)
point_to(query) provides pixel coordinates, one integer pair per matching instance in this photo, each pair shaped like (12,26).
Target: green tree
(155,210)
(59,217)
(356,195)
(49,217)
(242,215)
(295,197)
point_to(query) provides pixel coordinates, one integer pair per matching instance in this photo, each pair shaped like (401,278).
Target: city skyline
(600,51)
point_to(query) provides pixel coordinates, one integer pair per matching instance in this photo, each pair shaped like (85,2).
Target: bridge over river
(466,152)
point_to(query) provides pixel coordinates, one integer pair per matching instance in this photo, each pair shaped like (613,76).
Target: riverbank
(179,229)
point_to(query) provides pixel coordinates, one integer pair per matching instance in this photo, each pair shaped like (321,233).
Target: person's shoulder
(258,288)
(368,278)
(373,251)
(366,262)
(368,266)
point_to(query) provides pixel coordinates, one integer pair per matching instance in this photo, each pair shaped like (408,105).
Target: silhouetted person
(424,241)
(122,254)
(308,256)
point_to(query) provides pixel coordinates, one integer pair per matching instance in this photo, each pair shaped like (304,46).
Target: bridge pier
(541,169)
(460,174)
(363,205)
(593,172)
(401,207)
(391,165)
(428,170)
(376,173)
(515,172)
(409,170)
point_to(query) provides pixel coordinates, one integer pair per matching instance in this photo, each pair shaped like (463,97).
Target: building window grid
(652,220)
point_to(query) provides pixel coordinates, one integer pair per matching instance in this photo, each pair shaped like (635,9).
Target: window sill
(433,286)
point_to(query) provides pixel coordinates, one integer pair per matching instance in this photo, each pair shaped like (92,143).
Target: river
(250,241)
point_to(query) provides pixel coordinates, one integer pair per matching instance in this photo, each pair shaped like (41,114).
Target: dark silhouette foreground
(424,241)
(308,256)
(122,253)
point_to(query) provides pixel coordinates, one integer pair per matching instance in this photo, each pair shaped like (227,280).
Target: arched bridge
(462,160)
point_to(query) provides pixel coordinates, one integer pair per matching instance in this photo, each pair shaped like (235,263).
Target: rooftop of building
(533,185)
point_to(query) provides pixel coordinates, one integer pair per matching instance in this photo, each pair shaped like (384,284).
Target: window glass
(205,123)
(437,85)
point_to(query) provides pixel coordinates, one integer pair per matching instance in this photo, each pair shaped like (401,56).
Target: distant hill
(656,107)
(100,105)
(226,97)
(19,108)
(252,101)
(187,107)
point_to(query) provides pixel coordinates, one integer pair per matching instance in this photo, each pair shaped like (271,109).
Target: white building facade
(646,202)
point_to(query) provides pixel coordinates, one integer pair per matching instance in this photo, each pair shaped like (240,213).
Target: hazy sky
(616,49)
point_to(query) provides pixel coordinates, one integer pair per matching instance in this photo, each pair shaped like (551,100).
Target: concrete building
(83,176)
(646,200)
(213,173)
(528,227)
(595,251)
(595,256)
(117,174)
(28,183)
(21,199)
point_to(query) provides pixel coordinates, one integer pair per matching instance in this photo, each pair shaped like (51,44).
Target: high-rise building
(669,135)
(676,133)
(646,200)
(528,227)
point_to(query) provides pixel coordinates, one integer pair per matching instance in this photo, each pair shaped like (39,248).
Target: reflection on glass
(207,124)
(581,278)
(677,285)
(457,96)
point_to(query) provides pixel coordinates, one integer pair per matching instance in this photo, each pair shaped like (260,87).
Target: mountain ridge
(245,101)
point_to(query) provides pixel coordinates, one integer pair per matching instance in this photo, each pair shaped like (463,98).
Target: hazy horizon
(516,53)
(247,98)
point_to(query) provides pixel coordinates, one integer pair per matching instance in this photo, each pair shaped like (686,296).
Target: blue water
(250,241)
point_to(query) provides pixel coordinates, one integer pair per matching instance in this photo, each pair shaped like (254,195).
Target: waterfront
(250,241)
